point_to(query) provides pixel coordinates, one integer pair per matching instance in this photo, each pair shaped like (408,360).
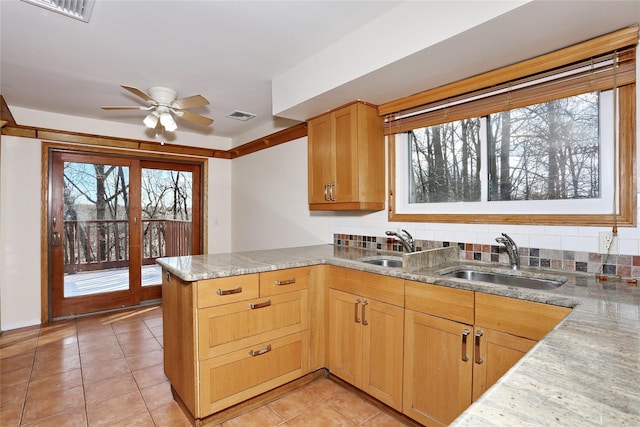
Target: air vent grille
(241,115)
(77,9)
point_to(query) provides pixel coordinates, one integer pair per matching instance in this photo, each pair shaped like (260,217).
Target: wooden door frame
(46,194)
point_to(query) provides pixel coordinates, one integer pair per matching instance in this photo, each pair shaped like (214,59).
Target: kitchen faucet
(406,239)
(512,250)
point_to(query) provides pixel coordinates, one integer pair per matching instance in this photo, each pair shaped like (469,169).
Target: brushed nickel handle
(254,353)
(168,276)
(285,282)
(477,349)
(266,303)
(229,291)
(331,186)
(326,192)
(357,319)
(364,305)
(465,356)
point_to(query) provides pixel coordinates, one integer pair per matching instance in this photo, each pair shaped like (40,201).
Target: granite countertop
(585,372)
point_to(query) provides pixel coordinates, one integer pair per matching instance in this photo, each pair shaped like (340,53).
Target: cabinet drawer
(242,374)
(527,319)
(448,303)
(281,281)
(368,285)
(227,289)
(230,327)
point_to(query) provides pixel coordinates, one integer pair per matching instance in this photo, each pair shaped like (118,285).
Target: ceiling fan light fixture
(151,121)
(167,121)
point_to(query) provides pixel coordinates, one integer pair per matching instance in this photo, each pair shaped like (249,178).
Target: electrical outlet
(608,242)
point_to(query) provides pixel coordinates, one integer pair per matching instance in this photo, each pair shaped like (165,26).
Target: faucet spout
(405,238)
(512,250)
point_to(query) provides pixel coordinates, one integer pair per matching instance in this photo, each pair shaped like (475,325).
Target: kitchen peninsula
(586,371)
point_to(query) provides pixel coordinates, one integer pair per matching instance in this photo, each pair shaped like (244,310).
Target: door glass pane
(166,219)
(96,228)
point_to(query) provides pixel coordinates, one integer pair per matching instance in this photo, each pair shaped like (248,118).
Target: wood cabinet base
(253,403)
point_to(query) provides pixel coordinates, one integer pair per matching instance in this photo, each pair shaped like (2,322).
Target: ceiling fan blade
(140,93)
(196,118)
(190,102)
(126,108)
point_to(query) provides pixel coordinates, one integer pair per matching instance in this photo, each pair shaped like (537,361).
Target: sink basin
(384,261)
(508,279)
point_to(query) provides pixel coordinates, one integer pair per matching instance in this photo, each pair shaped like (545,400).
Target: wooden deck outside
(116,279)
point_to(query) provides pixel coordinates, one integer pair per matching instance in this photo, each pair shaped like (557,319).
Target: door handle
(55,239)
(465,356)
(356,319)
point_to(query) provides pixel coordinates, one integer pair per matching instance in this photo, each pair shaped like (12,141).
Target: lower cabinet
(459,343)
(438,368)
(425,350)
(229,339)
(366,335)
(495,353)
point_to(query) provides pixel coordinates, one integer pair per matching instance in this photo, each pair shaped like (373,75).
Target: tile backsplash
(624,266)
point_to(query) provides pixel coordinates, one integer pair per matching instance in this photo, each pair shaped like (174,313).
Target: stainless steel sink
(508,279)
(384,261)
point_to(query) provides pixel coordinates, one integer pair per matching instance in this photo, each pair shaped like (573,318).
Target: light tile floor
(107,370)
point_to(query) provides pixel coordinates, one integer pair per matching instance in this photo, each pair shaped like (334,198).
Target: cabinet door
(321,157)
(383,326)
(438,367)
(345,336)
(498,352)
(346,154)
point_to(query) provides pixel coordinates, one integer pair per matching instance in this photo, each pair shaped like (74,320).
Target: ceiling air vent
(241,115)
(77,9)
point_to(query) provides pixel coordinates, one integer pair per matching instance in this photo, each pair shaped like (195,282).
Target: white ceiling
(232,51)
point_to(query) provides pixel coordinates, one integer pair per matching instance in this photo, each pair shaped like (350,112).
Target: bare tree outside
(546,151)
(96,215)
(445,162)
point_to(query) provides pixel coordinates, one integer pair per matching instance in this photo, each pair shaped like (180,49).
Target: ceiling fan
(163,105)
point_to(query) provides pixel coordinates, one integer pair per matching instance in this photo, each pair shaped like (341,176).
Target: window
(532,149)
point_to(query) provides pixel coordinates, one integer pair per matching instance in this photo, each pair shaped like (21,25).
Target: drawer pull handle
(266,303)
(477,350)
(285,282)
(364,305)
(357,319)
(267,349)
(229,291)
(465,356)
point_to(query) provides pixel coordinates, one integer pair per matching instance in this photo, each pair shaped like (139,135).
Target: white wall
(269,200)
(219,206)
(20,232)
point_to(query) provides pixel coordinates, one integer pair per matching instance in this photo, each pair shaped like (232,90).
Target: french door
(110,217)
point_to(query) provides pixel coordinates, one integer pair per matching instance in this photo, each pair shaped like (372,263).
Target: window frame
(626,177)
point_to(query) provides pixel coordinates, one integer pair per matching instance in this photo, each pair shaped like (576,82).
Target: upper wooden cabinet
(346,159)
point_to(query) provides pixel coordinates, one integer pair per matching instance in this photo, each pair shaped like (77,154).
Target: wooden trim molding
(9,127)
(286,135)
